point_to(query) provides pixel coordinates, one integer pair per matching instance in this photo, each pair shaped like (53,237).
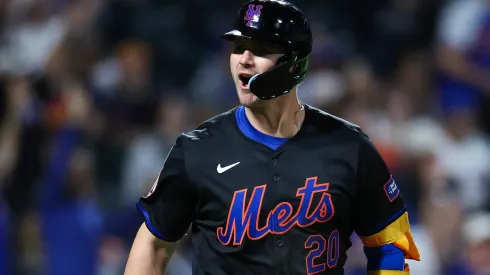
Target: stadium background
(94,92)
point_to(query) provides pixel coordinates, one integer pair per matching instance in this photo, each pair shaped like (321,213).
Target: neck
(277,117)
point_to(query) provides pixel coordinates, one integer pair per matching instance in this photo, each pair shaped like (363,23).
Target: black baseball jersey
(255,210)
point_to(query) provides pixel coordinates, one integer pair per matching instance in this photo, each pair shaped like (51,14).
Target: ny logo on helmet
(252,15)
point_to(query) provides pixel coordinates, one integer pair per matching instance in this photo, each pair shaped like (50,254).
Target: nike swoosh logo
(223,169)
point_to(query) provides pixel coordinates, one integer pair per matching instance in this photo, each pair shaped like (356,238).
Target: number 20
(331,246)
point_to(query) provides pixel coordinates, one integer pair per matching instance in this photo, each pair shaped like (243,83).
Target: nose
(247,59)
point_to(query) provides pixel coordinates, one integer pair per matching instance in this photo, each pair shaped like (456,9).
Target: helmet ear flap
(289,72)
(272,83)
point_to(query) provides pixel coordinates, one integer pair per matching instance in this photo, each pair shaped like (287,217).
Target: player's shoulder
(343,132)
(326,123)
(211,130)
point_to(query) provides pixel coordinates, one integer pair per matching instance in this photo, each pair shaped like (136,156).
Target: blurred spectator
(16,100)
(476,237)
(32,37)
(69,216)
(463,55)
(148,150)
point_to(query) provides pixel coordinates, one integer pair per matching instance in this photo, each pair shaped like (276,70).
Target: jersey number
(318,245)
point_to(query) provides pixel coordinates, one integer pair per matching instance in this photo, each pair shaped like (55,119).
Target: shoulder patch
(153,188)
(155,184)
(391,189)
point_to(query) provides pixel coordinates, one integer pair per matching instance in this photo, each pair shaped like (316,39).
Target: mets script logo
(243,216)
(253,14)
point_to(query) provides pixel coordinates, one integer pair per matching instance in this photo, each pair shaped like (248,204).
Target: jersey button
(274,161)
(276,178)
(280,243)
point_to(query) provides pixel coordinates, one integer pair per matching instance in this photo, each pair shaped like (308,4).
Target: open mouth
(244,79)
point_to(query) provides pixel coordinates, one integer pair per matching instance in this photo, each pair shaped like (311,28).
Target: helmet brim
(234,34)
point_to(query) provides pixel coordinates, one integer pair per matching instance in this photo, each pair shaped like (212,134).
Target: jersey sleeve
(378,200)
(169,208)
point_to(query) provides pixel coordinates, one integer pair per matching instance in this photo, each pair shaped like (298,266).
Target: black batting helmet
(282,24)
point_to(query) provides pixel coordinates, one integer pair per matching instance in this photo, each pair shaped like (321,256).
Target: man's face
(249,58)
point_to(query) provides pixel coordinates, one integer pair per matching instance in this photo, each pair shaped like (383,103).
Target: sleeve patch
(152,190)
(154,187)
(391,189)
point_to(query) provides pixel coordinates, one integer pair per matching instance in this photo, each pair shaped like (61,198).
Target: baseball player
(273,186)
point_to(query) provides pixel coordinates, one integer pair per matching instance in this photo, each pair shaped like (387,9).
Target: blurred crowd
(93,94)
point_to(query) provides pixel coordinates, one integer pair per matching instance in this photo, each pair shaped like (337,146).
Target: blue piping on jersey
(152,228)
